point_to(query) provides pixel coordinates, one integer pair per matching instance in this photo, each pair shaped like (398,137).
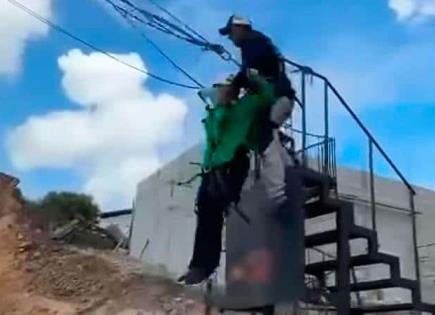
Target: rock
(20,236)
(65,230)
(25,246)
(84,300)
(116,234)
(17,264)
(43,309)
(167,307)
(36,255)
(178,299)
(190,303)
(29,269)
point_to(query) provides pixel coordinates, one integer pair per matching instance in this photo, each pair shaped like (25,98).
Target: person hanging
(233,131)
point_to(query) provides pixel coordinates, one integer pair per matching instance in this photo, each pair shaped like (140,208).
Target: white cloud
(369,74)
(17,29)
(113,136)
(416,10)
(113,183)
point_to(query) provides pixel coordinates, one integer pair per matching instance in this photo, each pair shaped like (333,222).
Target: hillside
(39,276)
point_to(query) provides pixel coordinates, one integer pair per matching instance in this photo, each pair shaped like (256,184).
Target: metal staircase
(345,231)
(317,166)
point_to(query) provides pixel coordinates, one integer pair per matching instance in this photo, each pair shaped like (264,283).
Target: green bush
(62,207)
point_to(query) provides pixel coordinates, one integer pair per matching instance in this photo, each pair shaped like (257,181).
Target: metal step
(265,310)
(312,178)
(383,308)
(423,307)
(381,284)
(312,192)
(329,237)
(384,284)
(321,207)
(361,260)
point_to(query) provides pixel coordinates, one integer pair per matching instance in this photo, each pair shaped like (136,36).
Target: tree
(62,207)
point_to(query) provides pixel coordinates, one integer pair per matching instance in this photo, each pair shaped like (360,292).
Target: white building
(164,224)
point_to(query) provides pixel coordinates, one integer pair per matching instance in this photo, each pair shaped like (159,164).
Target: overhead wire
(218,49)
(183,32)
(165,26)
(65,32)
(169,59)
(124,14)
(177,19)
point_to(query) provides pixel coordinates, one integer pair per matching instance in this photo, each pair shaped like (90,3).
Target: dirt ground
(40,277)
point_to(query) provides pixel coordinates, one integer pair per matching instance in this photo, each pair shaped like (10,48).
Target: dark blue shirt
(258,52)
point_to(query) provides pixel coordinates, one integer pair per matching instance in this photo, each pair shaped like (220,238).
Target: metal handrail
(289,127)
(323,142)
(309,71)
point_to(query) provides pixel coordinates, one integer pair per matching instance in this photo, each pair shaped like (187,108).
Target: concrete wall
(165,218)
(427,259)
(165,221)
(395,224)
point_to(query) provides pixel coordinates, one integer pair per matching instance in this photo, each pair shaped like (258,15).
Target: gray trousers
(274,158)
(281,110)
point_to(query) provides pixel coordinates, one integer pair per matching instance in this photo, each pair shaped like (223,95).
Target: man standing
(259,53)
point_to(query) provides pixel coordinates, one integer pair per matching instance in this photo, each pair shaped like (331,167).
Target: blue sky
(378,53)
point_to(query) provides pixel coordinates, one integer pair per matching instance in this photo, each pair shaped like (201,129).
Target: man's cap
(234,20)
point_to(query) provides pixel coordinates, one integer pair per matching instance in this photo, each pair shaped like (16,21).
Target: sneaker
(182,278)
(194,276)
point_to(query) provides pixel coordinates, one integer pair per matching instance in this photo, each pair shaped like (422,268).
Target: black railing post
(326,124)
(344,221)
(372,187)
(304,70)
(304,120)
(415,238)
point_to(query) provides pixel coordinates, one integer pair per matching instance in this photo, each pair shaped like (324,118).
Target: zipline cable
(155,21)
(178,20)
(124,13)
(218,49)
(92,46)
